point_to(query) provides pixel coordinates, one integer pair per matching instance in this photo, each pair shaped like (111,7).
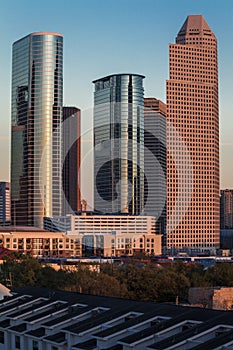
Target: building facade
(119,144)
(5,203)
(89,223)
(71,178)
(226,209)
(226,239)
(155,162)
(40,243)
(193,139)
(37,99)
(117,244)
(109,235)
(216,298)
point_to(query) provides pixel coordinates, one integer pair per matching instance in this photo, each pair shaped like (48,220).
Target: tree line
(146,282)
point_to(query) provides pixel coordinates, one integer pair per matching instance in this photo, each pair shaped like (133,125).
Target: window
(2,337)
(35,345)
(17,342)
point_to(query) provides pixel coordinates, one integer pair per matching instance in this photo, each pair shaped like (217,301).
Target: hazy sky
(103,37)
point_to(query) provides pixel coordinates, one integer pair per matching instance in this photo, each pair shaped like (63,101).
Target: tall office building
(119,144)
(5,204)
(155,124)
(37,98)
(193,139)
(71,159)
(226,209)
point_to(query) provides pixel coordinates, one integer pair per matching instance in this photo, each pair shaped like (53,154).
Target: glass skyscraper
(119,144)
(5,210)
(71,178)
(155,162)
(37,98)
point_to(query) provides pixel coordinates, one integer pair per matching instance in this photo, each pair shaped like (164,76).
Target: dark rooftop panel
(4,324)
(45,312)
(20,328)
(38,333)
(124,325)
(15,303)
(197,329)
(58,338)
(94,321)
(87,345)
(29,308)
(8,298)
(67,316)
(215,342)
(187,314)
(115,347)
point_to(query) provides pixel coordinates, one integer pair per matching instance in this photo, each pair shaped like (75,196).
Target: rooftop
(86,321)
(115,75)
(21,229)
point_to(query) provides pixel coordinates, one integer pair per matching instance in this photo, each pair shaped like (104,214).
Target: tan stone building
(42,243)
(219,298)
(119,244)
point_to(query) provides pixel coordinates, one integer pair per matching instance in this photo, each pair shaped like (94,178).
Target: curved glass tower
(119,144)
(37,98)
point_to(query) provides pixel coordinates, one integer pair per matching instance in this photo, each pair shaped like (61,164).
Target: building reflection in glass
(37,98)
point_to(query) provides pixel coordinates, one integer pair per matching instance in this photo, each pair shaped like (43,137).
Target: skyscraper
(226,209)
(119,144)
(37,98)
(5,209)
(71,159)
(193,139)
(155,124)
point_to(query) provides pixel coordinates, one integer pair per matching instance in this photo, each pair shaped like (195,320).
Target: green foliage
(21,269)
(148,282)
(221,274)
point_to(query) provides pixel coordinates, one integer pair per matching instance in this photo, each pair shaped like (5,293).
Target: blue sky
(103,37)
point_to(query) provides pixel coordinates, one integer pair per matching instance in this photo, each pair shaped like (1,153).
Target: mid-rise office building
(155,161)
(109,235)
(119,144)
(37,99)
(90,223)
(193,139)
(5,203)
(117,244)
(42,243)
(71,178)
(226,209)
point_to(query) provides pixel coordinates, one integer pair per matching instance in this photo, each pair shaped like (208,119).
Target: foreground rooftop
(70,321)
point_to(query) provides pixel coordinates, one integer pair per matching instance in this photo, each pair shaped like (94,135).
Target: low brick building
(218,298)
